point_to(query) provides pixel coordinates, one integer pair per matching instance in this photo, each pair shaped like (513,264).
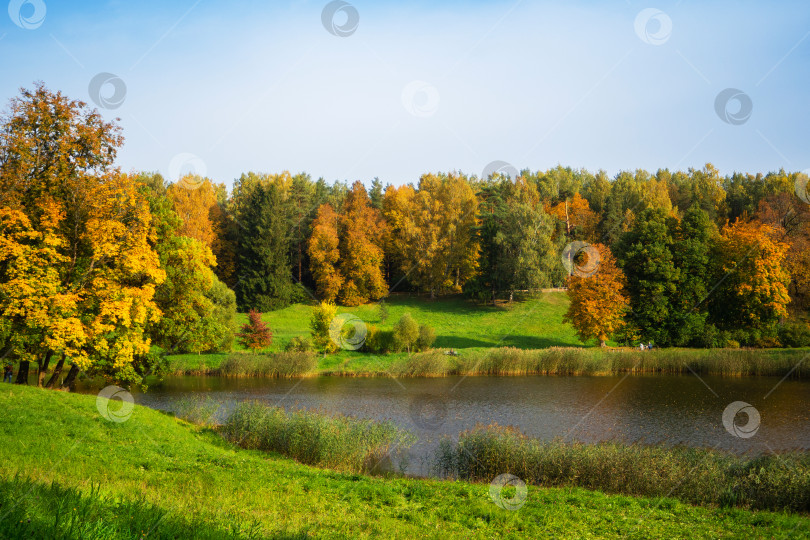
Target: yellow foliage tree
(753,293)
(433,231)
(77,267)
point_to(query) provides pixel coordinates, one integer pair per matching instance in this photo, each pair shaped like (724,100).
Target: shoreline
(512,362)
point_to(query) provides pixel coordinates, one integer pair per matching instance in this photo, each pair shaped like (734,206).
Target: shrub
(299,344)
(255,334)
(335,441)
(406,332)
(427,336)
(322,317)
(378,341)
(794,334)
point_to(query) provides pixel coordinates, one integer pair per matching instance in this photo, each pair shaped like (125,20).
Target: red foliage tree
(255,334)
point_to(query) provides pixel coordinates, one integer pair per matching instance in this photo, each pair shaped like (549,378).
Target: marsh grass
(695,476)
(197,409)
(335,441)
(281,364)
(577,361)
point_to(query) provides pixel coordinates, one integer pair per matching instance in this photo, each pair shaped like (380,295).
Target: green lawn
(534,323)
(157,477)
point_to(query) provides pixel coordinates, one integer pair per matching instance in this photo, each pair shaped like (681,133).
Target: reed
(282,364)
(695,476)
(578,361)
(335,441)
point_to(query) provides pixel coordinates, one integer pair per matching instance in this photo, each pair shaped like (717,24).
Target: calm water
(648,409)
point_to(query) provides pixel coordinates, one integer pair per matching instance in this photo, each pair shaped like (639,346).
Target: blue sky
(428,86)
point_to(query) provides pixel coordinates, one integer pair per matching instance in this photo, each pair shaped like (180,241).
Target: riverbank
(156,476)
(793,363)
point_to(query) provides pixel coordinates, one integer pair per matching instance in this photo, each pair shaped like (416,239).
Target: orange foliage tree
(345,250)
(598,301)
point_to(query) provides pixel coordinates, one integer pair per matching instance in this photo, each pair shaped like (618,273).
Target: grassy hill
(66,472)
(530,323)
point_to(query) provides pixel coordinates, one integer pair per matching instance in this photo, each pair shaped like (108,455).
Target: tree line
(98,266)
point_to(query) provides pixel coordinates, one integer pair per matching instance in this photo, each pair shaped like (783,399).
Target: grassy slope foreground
(157,477)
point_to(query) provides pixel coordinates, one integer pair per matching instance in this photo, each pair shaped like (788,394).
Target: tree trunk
(70,380)
(57,371)
(42,370)
(22,372)
(567,222)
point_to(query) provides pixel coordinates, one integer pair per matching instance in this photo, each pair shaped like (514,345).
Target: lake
(669,410)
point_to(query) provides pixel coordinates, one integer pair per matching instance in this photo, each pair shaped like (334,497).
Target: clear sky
(427,86)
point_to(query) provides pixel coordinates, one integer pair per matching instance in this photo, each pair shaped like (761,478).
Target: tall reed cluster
(696,476)
(574,361)
(338,442)
(281,364)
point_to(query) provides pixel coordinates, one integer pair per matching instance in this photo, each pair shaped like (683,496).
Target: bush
(378,341)
(299,344)
(794,334)
(283,364)
(335,441)
(322,317)
(406,332)
(426,339)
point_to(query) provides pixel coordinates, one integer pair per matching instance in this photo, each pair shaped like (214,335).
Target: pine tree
(265,277)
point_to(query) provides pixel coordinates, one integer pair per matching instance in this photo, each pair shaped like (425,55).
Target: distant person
(649,346)
(641,346)
(8,373)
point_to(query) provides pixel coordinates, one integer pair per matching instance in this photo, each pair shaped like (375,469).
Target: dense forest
(97,266)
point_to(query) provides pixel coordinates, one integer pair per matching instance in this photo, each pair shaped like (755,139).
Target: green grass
(529,323)
(159,475)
